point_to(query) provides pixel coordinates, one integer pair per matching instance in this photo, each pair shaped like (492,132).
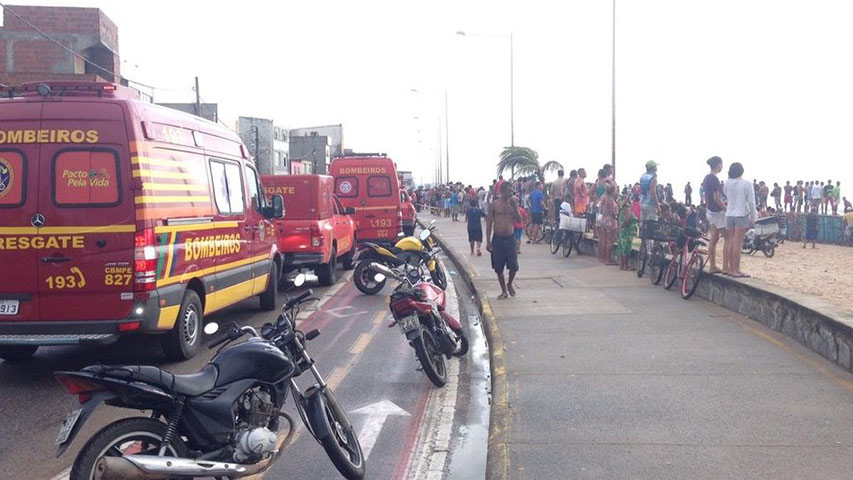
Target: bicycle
(565,236)
(652,253)
(546,230)
(688,269)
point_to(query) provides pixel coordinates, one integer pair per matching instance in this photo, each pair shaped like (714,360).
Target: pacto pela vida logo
(7,177)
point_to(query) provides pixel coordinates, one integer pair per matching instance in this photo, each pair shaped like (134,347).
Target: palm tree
(525,161)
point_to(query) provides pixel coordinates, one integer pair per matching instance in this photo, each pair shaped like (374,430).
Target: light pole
(446,135)
(511,79)
(613,94)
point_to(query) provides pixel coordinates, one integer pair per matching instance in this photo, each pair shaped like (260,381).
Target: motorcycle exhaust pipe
(378,267)
(146,467)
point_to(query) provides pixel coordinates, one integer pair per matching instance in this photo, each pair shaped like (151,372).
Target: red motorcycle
(418,309)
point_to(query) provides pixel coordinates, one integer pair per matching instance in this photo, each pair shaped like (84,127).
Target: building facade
(268,144)
(335,134)
(27,56)
(312,152)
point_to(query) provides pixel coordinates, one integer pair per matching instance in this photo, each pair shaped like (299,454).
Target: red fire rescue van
(368,183)
(119,216)
(318,230)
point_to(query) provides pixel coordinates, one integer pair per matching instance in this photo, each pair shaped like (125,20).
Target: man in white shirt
(817,193)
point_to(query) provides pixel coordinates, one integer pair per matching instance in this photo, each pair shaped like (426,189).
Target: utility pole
(512,93)
(197,99)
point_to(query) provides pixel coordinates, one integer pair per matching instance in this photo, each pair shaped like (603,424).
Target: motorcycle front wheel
(439,278)
(342,445)
(769,250)
(139,436)
(462,348)
(365,281)
(430,357)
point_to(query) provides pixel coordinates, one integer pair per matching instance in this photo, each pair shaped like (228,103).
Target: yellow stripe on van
(67,230)
(207,271)
(192,227)
(394,207)
(170,257)
(164,162)
(231,295)
(174,187)
(168,316)
(158,174)
(182,199)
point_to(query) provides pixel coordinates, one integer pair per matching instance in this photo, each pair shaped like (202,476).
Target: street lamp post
(613,94)
(511,78)
(446,136)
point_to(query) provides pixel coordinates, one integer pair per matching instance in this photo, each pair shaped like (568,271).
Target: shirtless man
(502,213)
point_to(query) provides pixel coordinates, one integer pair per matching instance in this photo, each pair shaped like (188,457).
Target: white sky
(766,83)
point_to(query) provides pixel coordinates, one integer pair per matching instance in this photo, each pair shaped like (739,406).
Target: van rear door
(19,195)
(86,263)
(381,209)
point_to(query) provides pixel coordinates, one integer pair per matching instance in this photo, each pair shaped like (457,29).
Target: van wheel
(270,296)
(183,341)
(326,272)
(17,353)
(348,260)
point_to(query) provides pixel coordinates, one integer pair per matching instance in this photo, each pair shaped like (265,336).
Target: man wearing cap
(648,192)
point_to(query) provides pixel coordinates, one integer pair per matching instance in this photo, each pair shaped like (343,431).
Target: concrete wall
(314,150)
(25,55)
(334,132)
(270,153)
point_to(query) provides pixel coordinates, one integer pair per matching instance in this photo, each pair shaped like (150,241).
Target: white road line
(433,442)
(377,414)
(64,475)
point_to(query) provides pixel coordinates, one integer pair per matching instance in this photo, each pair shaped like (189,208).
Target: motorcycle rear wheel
(769,250)
(130,433)
(364,281)
(430,357)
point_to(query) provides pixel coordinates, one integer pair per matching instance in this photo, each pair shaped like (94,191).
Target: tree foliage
(524,161)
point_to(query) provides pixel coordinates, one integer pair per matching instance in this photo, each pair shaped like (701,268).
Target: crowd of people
(726,210)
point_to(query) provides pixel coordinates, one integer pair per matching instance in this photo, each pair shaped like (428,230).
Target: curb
(497,458)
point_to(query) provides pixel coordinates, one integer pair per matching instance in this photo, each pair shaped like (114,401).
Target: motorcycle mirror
(379,278)
(401,234)
(425,234)
(432,222)
(211,328)
(299,280)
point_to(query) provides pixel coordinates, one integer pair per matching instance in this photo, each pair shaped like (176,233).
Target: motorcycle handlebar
(298,299)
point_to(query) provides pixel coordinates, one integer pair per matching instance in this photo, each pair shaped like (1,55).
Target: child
(608,226)
(475,226)
(627,231)
(811,227)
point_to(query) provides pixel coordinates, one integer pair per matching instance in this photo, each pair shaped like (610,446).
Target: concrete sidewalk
(608,376)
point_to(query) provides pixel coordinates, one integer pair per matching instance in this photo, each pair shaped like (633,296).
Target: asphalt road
(372,369)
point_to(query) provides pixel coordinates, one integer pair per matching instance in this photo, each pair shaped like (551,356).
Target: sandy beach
(825,272)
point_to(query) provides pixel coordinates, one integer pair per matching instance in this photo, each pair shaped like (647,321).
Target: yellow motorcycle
(419,252)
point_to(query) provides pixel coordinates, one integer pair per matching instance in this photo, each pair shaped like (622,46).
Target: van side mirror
(276,207)
(349,210)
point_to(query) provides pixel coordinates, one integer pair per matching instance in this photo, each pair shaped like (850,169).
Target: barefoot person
(500,240)
(475,226)
(741,214)
(716,211)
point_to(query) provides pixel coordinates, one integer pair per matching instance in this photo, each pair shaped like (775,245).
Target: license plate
(407,324)
(9,307)
(68,426)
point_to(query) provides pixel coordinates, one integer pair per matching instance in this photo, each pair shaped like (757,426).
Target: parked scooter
(421,251)
(229,412)
(753,242)
(419,310)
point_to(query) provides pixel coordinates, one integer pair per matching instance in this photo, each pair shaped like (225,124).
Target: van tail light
(399,220)
(145,261)
(316,236)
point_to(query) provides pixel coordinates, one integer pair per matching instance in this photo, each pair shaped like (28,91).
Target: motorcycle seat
(192,385)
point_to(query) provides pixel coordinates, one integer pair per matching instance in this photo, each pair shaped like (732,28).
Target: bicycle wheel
(642,258)
(547,232)
(568,243)
(692,275)
(555,241)
(656,263)
(672,271)
(527,229)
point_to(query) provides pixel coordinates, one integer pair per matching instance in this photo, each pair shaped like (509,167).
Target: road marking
(377,414)
(336,376)
(360,344)
(64,475)
(338,312)
(433,439)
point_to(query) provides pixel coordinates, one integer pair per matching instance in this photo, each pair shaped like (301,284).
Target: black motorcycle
(222,422)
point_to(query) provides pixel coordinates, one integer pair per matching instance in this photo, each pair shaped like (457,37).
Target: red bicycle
(687,264)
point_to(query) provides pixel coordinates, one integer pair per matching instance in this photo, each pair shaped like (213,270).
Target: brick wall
(26,54)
